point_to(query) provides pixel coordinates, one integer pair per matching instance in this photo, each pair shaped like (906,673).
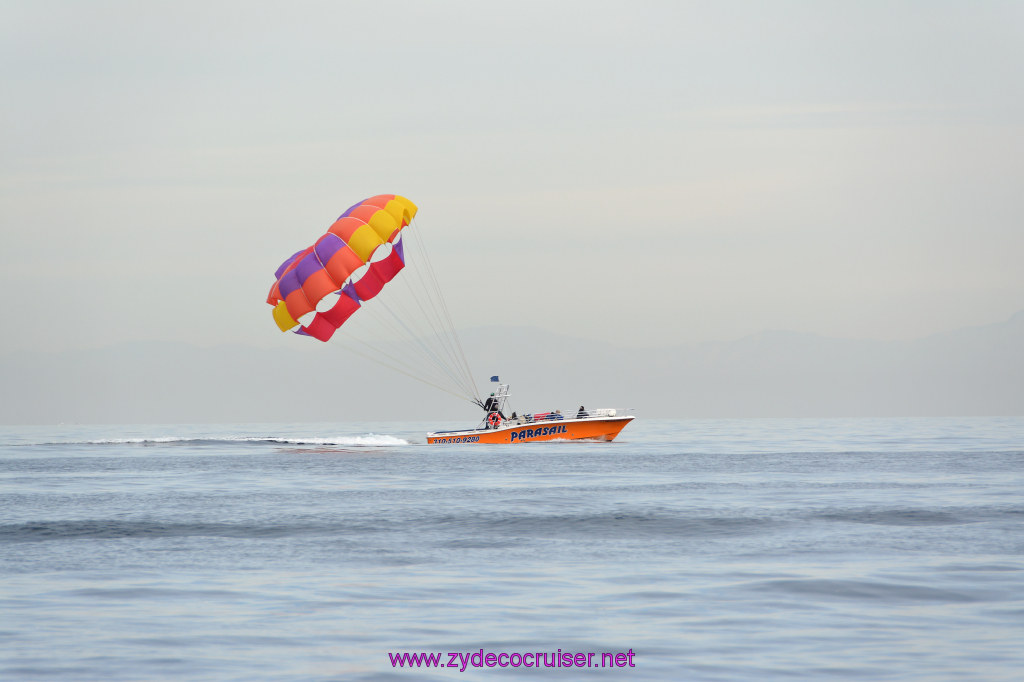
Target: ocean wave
(906,516)
(874,590)
(610,525)
(474,531)
(110,529)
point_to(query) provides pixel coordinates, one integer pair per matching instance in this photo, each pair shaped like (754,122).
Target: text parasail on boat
(403,322)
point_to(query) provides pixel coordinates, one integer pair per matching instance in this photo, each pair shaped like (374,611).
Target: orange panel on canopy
(344,227)
(342,264)
(298,304)
(318,285)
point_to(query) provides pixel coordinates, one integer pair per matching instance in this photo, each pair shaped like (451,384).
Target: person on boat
(494,415)
(582,413)
(492,404)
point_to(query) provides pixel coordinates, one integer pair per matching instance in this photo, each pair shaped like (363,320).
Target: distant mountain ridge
(969,371)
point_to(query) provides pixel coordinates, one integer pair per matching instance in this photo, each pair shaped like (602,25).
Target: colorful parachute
(320,287)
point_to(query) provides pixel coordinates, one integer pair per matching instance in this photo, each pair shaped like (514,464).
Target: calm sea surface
(871,549)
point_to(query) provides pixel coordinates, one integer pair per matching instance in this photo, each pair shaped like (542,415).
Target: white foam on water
(365,440)
(370,439)
(134,441)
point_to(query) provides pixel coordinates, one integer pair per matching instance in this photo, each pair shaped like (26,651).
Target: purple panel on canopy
(400,249)
(284,265)
(350,291)
(327,246)
(288,283)
(307,267)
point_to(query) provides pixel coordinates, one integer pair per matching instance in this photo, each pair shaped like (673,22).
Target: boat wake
(365,440)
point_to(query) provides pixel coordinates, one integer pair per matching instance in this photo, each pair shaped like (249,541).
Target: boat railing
(599,413)
(605,412)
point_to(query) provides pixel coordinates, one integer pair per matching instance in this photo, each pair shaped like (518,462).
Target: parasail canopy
(318,288)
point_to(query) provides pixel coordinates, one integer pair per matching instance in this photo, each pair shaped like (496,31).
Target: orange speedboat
(602,424)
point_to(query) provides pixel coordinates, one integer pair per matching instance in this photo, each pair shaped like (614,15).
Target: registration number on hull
(457,439)
(514,435)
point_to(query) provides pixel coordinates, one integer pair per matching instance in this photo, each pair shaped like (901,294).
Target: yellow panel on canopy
(282,318)
(364,241)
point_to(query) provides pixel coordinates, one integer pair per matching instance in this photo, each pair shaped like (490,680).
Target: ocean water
(870,549)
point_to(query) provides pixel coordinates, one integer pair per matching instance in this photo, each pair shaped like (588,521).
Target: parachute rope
(397,368)
(454,343)
(397,326)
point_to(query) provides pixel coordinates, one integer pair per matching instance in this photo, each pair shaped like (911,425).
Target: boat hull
(602,428)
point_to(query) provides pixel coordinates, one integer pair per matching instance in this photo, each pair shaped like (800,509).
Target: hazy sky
(673,171)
